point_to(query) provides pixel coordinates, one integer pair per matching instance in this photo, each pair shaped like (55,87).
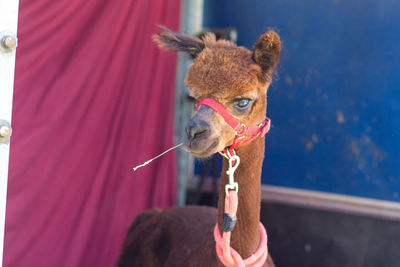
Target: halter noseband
(242,131)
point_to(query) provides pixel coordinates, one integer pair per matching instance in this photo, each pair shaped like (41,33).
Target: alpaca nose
(196,129)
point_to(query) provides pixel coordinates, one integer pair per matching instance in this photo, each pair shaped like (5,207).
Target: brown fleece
(182,236)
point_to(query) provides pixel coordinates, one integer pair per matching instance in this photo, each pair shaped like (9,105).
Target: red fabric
(93,98)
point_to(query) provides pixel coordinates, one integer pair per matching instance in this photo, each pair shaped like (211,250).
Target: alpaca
(237,79)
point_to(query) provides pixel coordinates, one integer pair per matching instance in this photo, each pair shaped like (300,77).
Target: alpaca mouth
(201,147)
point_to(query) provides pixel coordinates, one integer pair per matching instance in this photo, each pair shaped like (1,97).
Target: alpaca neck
(245,236)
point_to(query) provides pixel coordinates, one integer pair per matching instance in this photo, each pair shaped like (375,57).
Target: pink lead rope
(226,254)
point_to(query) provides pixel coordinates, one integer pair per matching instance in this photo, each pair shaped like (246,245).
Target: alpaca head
(234,76)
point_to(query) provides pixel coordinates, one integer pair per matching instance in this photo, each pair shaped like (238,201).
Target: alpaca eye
(242,104)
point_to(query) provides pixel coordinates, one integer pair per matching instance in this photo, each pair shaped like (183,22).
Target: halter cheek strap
(244,134)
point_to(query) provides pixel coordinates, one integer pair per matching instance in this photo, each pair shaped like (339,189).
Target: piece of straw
(150,160)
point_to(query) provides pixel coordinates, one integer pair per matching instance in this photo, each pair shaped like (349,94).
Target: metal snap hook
(234,162)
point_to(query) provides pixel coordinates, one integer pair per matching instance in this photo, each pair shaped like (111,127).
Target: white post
(191,23)
(8,33)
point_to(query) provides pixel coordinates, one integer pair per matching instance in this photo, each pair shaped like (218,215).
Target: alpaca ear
(179,42)
(266,54)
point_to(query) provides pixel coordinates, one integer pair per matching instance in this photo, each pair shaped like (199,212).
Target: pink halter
(241,130)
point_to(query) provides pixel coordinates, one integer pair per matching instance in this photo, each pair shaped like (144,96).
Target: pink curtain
(93,98)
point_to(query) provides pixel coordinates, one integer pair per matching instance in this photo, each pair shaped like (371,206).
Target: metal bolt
(9,42)
(5,131)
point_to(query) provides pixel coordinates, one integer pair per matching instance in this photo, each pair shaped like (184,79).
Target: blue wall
(335,107)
